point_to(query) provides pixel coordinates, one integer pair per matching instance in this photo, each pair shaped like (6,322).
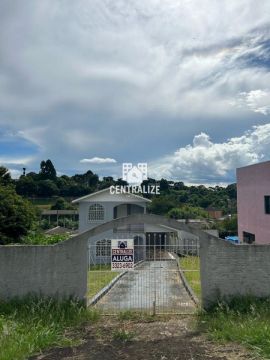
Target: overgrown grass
(123,335)
(242,320)
(30,325)
(191,268)
(98,277)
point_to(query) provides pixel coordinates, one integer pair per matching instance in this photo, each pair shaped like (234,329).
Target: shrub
(43,239)
(187,212)
(17,216)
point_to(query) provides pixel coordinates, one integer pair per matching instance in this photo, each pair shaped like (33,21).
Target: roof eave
(103,190)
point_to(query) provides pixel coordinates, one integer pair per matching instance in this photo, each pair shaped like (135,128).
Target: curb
(107,288)
(186,285)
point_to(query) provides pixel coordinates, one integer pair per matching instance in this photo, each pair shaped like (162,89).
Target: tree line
(174,194)
(176,200)
(46,183)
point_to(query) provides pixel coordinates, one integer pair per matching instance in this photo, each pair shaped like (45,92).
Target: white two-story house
(101,207)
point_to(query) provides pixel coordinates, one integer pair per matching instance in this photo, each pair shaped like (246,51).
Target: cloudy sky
(183,85)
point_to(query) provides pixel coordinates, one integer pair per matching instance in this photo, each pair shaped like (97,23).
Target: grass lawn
(191,268)
(244,320)
(43,204)
(30,325)
(98,277)
(44,207)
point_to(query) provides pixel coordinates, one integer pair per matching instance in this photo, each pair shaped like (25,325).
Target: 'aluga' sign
(122,255)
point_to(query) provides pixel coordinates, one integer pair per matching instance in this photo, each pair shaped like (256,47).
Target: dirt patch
(169,339)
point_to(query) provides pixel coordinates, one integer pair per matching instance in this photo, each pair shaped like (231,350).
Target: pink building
(253,203)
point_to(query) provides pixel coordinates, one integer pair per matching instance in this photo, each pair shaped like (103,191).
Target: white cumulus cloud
(98,160)
(208,162)
(103,77)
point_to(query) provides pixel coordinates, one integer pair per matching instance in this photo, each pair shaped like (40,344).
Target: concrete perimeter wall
(61,270)
(229,270)
(58,270)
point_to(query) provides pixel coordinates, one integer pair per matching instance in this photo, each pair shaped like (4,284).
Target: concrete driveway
(151,281)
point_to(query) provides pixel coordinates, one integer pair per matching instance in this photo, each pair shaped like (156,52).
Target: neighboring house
(253,203)
(214,213)
(102,206)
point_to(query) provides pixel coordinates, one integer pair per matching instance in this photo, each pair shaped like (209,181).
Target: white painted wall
(85,224)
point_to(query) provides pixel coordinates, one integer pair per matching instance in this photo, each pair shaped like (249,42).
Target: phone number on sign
(122,265)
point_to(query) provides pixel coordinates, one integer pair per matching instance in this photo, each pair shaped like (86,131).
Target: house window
(248,238)
(103,247)
(96,212)
(267,204)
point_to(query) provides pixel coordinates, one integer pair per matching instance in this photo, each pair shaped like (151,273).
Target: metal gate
(165,279)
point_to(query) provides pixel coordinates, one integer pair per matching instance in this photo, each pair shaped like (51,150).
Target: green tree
(47,170)
(187,212)
(17,216)
(183,196)
(121,182)
(179,186)
(61,204)
(88,179)
(232,191)
(164,185)
(106,182)
(227,227)
(33,175)
(230,224)
(5,177)
(26,186)
(47,188)
(161,205)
